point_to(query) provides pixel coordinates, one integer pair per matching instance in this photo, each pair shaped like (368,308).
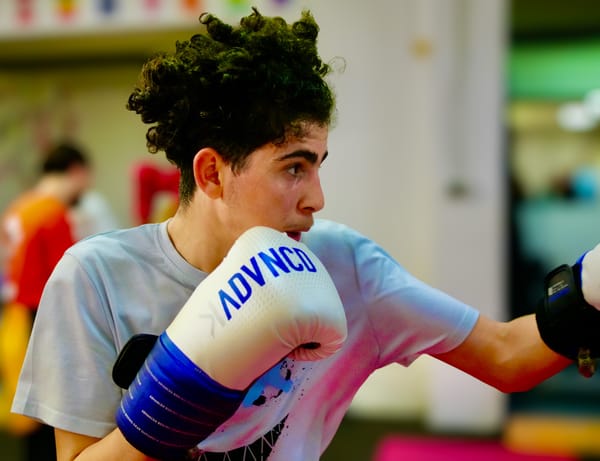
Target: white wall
(420,106)
(470,246)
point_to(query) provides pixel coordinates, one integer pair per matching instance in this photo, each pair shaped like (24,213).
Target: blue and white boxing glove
(568,315)
(269,298)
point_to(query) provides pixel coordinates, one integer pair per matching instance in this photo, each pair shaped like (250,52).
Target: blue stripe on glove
(172,405)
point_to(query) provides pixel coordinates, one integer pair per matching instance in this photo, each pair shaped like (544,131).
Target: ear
(208,165)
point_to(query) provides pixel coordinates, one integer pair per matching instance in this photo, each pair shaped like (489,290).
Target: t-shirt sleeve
(408,317)
(66,377)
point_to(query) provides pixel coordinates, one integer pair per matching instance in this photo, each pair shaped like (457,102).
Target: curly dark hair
(234,89)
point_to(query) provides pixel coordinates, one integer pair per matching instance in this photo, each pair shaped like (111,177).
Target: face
(279,186)
(81,179)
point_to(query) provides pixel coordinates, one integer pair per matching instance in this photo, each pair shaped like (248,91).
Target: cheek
(276,206)
(261,195)
(269,200)
(250,196)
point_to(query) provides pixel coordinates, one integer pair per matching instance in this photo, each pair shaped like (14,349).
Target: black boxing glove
(568,315)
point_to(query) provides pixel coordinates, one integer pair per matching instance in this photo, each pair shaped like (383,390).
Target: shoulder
(326,234)
(34,210)
(102,268)
(142,254)
(353,259)
(137,243)
(130,238)
(333,240)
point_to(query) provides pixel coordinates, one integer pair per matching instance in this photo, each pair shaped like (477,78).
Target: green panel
(554,71)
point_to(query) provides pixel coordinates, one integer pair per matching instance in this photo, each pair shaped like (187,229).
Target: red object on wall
(152,4)
(149,180)
(25,11)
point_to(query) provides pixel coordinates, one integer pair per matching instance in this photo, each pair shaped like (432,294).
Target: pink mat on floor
(399,448)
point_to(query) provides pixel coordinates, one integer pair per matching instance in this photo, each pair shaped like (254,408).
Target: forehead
(313,139)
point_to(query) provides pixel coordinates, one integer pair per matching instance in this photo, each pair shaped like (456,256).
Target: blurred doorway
(553,128)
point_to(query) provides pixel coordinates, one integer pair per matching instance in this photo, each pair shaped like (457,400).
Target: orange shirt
(36,232)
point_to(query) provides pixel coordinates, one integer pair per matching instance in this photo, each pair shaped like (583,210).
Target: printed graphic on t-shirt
(269,386)
(259,450)
(266,389)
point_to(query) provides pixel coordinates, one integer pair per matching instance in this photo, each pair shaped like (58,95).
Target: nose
(314,199)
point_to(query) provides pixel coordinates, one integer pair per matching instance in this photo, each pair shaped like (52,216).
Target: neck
(198,238)
(54,186)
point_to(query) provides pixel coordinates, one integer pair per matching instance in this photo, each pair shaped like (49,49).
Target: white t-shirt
(114,285)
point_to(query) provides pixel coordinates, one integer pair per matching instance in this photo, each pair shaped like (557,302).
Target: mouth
(295,235)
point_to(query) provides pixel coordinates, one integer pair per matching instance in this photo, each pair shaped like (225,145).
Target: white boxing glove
(590,277)
(269,298)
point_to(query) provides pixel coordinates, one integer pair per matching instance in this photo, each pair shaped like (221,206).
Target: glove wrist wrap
(566,322)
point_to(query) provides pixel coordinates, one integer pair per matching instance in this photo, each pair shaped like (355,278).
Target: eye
(295,170)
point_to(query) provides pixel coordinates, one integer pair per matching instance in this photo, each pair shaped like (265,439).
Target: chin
(295,235)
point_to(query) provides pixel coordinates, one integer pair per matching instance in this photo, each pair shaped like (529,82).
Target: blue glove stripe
(172,404)
(178,403)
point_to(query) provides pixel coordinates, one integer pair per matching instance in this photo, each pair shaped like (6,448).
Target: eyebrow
(308,155)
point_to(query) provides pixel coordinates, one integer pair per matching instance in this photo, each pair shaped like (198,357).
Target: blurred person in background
(35,231)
